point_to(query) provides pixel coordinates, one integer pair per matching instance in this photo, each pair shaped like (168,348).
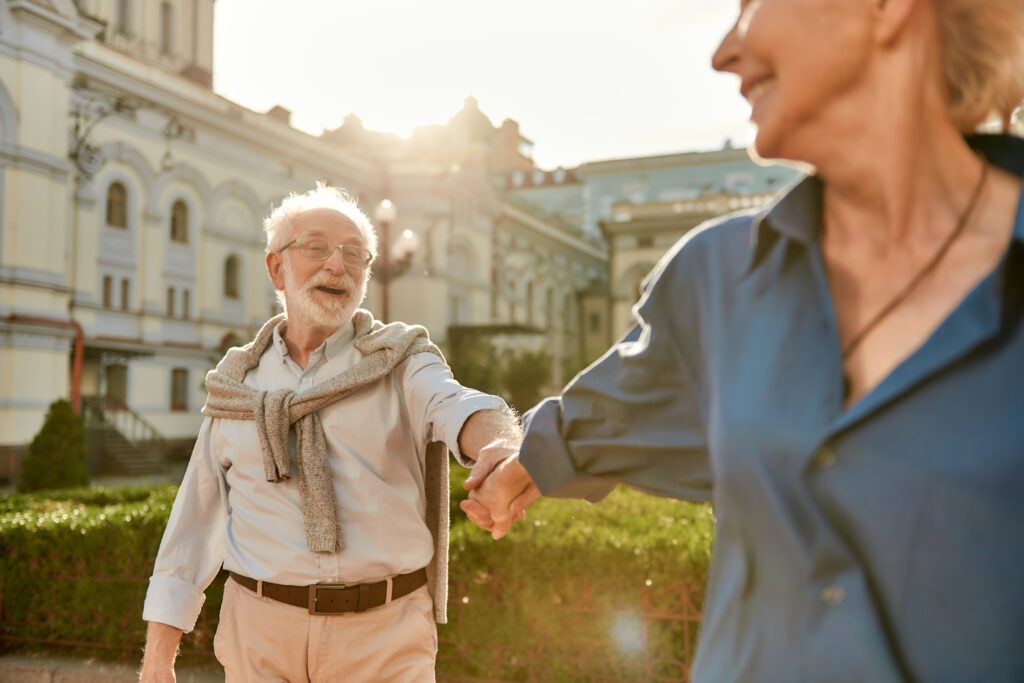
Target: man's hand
(161,648)
(500,491)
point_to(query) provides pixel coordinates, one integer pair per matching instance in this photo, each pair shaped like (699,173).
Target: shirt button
(825,458)
(832,595)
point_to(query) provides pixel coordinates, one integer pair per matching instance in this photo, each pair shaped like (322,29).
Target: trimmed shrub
(56,456)
(75,565)
(576,592)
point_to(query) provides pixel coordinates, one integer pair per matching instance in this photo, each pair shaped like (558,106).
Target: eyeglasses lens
(319,249)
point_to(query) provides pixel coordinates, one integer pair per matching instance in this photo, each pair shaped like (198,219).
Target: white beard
(304,305)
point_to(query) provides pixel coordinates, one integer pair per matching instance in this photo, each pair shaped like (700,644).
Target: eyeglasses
(318,249)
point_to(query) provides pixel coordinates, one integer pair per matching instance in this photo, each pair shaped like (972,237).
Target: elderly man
(319,477)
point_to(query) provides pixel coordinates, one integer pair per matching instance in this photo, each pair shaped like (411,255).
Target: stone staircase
(120,440)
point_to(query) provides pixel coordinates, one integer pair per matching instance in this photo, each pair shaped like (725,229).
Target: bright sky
(586,79)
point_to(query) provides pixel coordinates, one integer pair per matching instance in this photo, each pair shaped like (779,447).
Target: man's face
(319,294)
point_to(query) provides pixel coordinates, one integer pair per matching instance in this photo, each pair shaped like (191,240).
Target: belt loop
(363,601)
(259,588)
(391,585)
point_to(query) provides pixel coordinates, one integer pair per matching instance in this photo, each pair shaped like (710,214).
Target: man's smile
(331,290)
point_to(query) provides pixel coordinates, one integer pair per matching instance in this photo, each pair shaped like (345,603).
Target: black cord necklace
(902,295)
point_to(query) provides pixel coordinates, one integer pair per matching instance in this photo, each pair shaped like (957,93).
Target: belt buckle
(314,594)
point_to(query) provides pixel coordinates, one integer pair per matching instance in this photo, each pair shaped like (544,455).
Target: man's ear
(275,269)
(892,18)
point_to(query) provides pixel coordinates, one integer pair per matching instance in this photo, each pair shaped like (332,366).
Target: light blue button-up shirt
(884,542)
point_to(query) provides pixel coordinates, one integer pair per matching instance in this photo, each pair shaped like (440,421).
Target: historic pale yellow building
(132,197)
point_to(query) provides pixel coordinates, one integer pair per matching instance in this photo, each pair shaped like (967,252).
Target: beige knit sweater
(275,412)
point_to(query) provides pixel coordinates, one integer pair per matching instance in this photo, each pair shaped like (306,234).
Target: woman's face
(802,66)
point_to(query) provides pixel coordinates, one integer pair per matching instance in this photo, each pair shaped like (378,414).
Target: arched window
(166,29)
(179,222)
(117,206)
(231,277)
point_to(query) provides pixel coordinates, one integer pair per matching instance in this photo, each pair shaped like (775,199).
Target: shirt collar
(797,212)
(1006,152)
(331,346)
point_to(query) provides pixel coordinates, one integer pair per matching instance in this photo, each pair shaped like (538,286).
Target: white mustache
(325,280)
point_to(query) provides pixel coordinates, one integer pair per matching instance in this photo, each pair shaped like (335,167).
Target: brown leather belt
(337,598)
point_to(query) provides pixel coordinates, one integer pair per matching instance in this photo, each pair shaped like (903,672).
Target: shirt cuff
(174,602)
(467,406)
(547,459)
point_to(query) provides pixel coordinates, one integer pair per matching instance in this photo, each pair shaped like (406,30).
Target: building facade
(132,198)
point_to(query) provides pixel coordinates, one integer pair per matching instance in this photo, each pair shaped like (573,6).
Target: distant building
(639,207)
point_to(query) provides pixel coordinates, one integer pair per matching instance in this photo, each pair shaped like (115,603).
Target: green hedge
(610,591)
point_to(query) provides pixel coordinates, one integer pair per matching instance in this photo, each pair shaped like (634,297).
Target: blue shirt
(884,542)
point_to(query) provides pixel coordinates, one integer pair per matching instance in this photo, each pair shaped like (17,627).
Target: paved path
(47,668)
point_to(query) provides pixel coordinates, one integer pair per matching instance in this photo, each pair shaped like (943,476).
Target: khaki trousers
(259,639)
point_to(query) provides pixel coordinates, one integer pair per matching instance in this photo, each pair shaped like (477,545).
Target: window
(166,29)
(117,386)
(185,296)
(108,291)
(179,389)
(170,302)
(594,322)
(123,20)
(117,206)
(125,293)
(179,222)
(231,277)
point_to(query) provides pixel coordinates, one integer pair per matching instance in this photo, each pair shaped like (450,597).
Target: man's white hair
(323,196)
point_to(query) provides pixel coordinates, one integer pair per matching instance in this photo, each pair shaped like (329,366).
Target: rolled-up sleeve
(633,417)
(438,405)
(193,545)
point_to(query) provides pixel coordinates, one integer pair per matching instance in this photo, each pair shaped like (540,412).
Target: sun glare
(567,71)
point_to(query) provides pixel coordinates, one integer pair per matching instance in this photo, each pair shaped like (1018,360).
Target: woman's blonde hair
(983,59)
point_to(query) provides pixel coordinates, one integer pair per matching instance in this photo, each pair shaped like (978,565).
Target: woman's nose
(727,54)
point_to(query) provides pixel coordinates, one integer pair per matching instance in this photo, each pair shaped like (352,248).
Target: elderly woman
(842,373)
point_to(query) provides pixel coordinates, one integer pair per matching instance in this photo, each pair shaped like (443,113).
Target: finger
(525,500)
(478,514)
(500,530)
(480,470)
(476,511)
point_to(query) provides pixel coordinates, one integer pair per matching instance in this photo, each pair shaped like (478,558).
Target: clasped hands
(500,489)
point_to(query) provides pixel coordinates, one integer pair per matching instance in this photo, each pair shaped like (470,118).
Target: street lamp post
(385,214)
